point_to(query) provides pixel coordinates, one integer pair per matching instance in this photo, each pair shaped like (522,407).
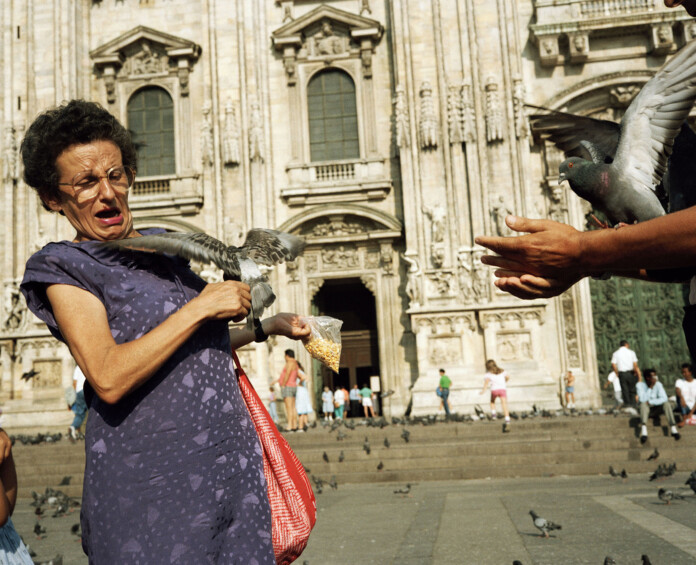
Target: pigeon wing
(568,132)
(192,246)
(654,119)
(270,247)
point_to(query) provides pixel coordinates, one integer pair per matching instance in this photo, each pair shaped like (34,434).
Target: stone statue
(454,113)
(499,211)
(464,276)
(468,114)
(14,307)
(255,131)
(481,282)
(428,118)
(9,162)
(230,140)
(494,113)
(207,152)
(327,43)
(557,207)
(400,117)
(413,278)
(437,216)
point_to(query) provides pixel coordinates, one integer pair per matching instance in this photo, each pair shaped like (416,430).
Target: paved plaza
(483,522)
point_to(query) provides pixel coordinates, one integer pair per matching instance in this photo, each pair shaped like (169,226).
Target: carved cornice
(504,318)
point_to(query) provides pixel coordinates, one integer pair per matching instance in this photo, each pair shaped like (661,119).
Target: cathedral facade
(388,133)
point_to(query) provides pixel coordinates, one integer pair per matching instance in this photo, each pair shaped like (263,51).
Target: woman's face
(104,217)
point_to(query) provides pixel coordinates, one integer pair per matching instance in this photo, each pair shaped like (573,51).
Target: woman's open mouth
(109,216)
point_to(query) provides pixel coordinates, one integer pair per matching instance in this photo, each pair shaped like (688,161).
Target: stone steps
(443,451)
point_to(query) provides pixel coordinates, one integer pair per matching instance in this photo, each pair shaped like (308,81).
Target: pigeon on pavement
(654,455)
(341,457)
(39,530)
(613,473)
(618,168)
(386,443)
(65,481)
(668,496)
(366,446)
(542,524)
(609,561)
(406,435)
(691,481)
(325,457)
(404,490)
(380,466)
(645,559)
(333,483)
(261,247)
(624,474)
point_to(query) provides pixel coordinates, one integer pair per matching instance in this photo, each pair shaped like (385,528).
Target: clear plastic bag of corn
(324,343)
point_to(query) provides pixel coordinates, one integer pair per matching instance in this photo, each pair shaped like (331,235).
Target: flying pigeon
(618,168)
(654,455)
(668,496)
(29,374)
(543,525)
(261,247)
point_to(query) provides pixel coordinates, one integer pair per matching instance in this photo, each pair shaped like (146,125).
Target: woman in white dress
(303,404)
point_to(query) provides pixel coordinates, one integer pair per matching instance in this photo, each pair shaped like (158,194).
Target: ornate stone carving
(622,96)
(49,374)
(444,350)
(499,210)
(10,162)
(327,42)
(372,260)
(454,113)
(287,11)
(518,94)
(579,47)
(548,50)
(339,257)
(465,276)
(370,282)
(662,39)
(365,7)
(514,346)
(413,278)
(207,151)
(558,208)
(428,119)
(481,284)
(386,255)
(14,307)
(313,286)
(255,131)
(441,282)
(311,262)
(494,112)
(337,226)
(468,114)
(150,59)
(401,129)
(690,31)
(231,154)
(572,343)
(437,254)
(291,269)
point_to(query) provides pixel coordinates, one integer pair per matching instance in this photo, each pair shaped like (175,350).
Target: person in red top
(288,388)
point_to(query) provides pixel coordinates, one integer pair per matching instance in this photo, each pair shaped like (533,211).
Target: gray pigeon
(542,524)
(668,496)
(261,247)
(609,561)
(620,167)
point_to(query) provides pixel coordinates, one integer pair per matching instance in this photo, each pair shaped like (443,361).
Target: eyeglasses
(86,183)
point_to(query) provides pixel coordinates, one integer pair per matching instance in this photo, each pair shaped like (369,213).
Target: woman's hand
(288,325)
(224,301)
(529,287)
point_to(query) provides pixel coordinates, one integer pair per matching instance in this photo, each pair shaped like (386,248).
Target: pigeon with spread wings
(261,247)
(619,168)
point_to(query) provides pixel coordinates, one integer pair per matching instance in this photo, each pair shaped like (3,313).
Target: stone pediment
(145,52)
(327,33)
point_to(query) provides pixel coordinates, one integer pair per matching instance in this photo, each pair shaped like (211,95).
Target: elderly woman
(174,471)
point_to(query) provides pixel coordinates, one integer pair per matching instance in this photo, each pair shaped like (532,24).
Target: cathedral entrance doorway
(349,300)
(648,316)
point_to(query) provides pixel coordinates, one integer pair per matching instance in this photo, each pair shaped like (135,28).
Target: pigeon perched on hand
(261,247)
(618,168)
(542,524)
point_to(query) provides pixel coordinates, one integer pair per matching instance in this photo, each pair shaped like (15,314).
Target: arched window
(333,117)
(151,123)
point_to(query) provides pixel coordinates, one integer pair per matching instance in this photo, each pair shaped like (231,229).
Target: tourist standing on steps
(653,401)
(354,396)
(444,390)
(327,403)
(288,388)
(625,365)
(366,395)
(496,378)
(339,403)
(79,407)
(302,402)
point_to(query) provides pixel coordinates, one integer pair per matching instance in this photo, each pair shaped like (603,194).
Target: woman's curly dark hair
(52,132)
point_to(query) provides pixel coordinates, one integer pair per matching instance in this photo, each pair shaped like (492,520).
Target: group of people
(645,391)
(340,403)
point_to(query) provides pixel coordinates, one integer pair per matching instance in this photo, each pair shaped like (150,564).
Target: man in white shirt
(625,365)
(653,401)
(685,389)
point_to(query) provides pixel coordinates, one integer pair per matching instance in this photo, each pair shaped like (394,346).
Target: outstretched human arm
(286,324)
(115,370)
(551,257)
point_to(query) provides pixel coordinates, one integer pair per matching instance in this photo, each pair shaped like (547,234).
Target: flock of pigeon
(56,504)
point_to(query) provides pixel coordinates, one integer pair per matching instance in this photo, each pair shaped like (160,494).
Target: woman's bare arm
(114,370)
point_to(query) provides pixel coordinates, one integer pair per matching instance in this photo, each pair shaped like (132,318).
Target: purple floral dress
(174,472)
